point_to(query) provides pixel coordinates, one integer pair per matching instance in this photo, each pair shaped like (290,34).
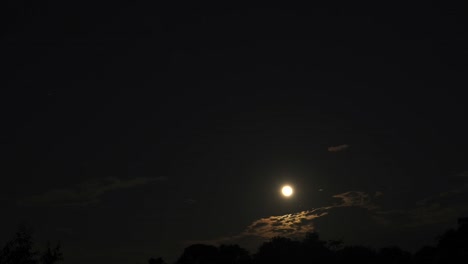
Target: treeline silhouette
(451,247)
(20,250)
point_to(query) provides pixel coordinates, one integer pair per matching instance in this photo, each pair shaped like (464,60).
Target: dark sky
(132,130)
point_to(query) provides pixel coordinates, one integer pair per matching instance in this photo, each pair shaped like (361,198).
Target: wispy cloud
(359,199)
(441,208)
(338,148)
(295,225)
(190,201)
(85,193)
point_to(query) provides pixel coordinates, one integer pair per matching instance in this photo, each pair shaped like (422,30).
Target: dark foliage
(199,253)
(156,261)
(20,250)
(452,247)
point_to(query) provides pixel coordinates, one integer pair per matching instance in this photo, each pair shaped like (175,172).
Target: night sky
(131,131)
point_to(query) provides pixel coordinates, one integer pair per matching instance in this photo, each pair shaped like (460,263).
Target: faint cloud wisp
(85,193)
(338,148)
(359,199)
(438,209)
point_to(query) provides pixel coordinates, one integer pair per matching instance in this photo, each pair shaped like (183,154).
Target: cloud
(338,148)
(85,193)
(190,201)
(441,208)
(359,199)
(294,225)
(297,224)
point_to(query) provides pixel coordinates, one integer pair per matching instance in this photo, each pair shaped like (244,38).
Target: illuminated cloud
(442,209)
(359,199)
(338,148)
(294,225)
(85,193)
(297,224)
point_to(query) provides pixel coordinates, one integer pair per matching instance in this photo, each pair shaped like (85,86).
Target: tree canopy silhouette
(20,250)
(452,247)
(156,261)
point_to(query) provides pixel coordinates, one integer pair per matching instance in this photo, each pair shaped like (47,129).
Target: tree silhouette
(334,245)
(200,254)
(20,250)
(356,254)
(156,261)
(51,256)
(452,246)
(425,255)
(393,255)
(279,250)
(233,254)
(315,250)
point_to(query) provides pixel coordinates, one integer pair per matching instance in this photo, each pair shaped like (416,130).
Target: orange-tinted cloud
(338,148)
(294,225)
(359,199)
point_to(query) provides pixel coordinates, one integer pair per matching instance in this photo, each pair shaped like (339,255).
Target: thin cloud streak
(85,193)
(338,148)
(359,199)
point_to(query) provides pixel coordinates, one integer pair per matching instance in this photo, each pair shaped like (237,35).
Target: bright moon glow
(287,191)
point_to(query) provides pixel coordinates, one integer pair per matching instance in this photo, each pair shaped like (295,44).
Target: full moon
(287,190)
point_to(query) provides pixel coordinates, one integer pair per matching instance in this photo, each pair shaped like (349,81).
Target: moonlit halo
(287,190)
